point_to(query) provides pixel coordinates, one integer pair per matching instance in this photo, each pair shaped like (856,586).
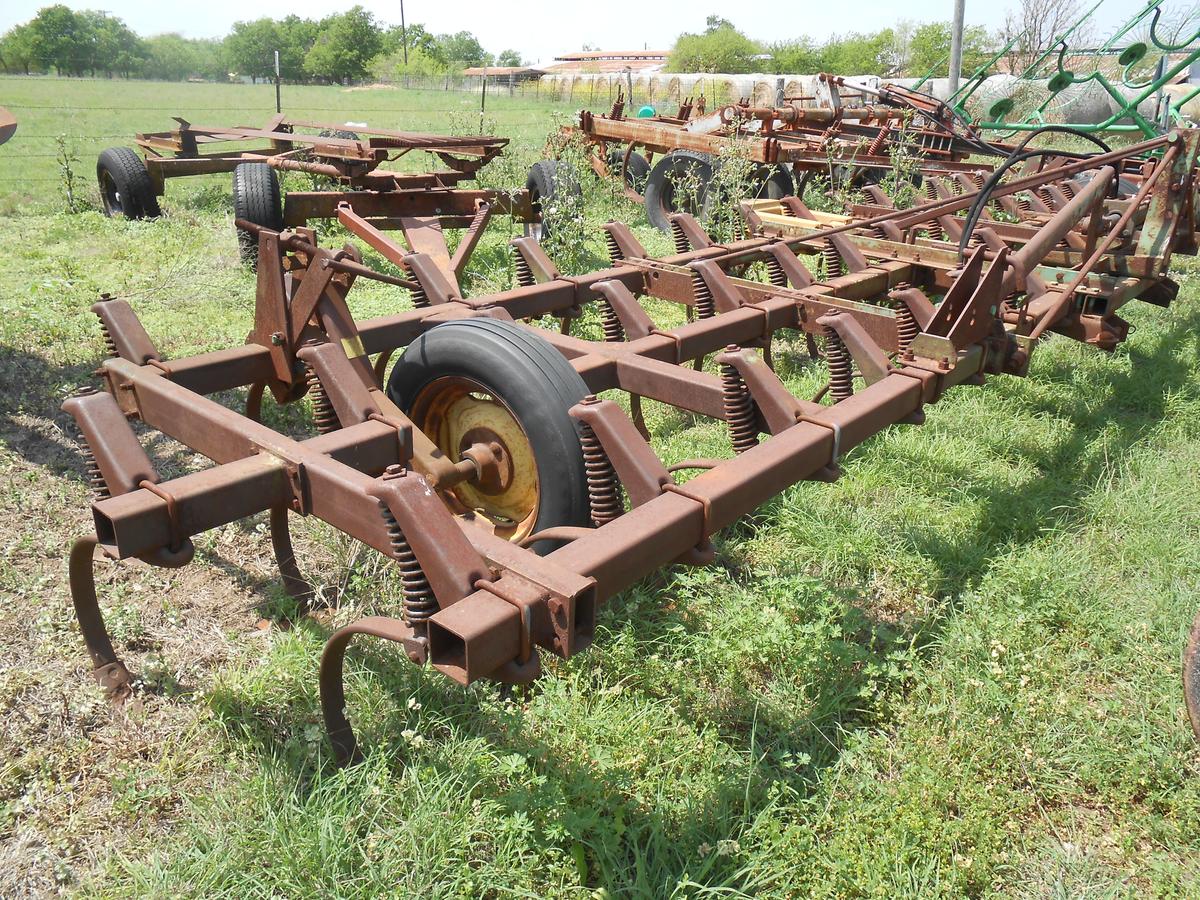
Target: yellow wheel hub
(459,413)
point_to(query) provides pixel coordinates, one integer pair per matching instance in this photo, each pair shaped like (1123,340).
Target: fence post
(482,102)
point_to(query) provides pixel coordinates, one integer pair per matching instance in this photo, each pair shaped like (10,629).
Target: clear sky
(543,28)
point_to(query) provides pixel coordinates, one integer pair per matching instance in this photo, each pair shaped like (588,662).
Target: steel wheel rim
(456,412)
(112,196)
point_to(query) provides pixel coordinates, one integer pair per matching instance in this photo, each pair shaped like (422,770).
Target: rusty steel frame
(385,196)
(806,139)
(376,477)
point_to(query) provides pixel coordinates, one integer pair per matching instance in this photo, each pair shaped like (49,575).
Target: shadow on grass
(633,846)
(35,388)
(1106,417)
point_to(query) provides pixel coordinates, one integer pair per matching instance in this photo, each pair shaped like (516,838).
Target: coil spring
(1024,204)
(618,108)
(324,415)
(604,490)
(109,344)
(419,602)
(95,477)
(614,331)
(841,372)
(682,244)
(878,142)
(705,306)
(775,272)
(739,408)
(524,273)
(831,260)
(420,300)
(1069,187)
(1046,196)
(931,191)
(907,328)
(614,249)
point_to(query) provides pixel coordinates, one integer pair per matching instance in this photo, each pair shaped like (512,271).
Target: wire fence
(505,105)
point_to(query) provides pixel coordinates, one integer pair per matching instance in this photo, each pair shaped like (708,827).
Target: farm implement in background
(8,125)
(788,144)
(419,204)
(1136,65)
(489,462)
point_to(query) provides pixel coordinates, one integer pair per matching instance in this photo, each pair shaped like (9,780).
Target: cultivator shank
(432,472)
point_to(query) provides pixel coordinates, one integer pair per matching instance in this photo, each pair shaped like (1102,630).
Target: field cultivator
(789,143)
(419,204)
(490,462)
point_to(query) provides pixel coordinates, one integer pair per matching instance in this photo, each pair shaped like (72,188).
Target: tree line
(354,45)
(903,50)
(340,48)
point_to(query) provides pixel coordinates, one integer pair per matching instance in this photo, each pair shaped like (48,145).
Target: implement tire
(664,178)
(257,199)
(126,188)
(484,380)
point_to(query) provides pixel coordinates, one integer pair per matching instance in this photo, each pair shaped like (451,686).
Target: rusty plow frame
(907,306)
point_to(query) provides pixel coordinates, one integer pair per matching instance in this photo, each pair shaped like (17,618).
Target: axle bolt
(394,471)
(277,338)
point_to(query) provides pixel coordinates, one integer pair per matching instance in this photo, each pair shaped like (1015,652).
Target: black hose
(1015,156)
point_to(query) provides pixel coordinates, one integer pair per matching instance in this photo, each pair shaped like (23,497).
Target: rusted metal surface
(415,484)
(8,124)
(856,141)
(414,203)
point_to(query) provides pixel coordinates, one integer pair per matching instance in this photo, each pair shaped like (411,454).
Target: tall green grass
(953,672)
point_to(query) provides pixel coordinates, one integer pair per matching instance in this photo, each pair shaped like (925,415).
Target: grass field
(954,672)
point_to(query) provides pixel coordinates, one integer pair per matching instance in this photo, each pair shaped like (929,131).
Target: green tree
(803,56)
(509,58)
(344,47)
(859,54)
(296,37)
(462,50)
(58,39)
(929,49)
(171,57)
(250,48)
(19,52)
(721,48)
(108,45)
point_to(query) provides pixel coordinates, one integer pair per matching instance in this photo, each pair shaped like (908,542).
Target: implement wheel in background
(679,182)
(548,179)
(774,182)
(257,199)
(636,172)
(126,188)
(491,382)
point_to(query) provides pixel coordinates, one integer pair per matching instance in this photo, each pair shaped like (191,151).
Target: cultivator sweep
(512,496)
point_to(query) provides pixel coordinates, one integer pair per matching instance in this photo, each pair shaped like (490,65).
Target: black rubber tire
(660,200)
(126,188)
(546,178)
(774,183)
(530,377)
(636,172)
(338,133)
(256,198)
